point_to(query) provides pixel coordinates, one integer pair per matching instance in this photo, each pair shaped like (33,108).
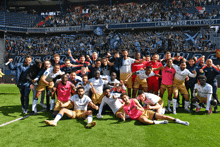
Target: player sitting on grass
(203,94)
(152,101)
(137,112)
(113,102)
(80,102)
(63,90)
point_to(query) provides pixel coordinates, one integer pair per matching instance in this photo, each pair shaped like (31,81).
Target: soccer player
(137,112)
(105,68)
(94,58)
(192,81)
(179,84)
(63,90)
(112,81)
(151,101)
(167,56)
(21,73)
(98,84)
(211,75)
(87,85)
(94,67)
(124,66)
(47,65)
(56,60)
(113,102)
(81,61)
(84,71)
(153,82)
(1,74)
(141,79)
(203,94)
(47,81)
(114,67)
(74,78)
(137,66)
(67,68)
(80,102)
(167,81)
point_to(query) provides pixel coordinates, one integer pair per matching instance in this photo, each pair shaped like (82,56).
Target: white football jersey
(87,87)
(80,104)
(203,91)
(142,74)
(182,74)
(50,75)
(98,84)
(151,99)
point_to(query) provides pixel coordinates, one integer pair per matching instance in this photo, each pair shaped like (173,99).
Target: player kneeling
(152,101)
(80,103)
(203,94)
(137,112)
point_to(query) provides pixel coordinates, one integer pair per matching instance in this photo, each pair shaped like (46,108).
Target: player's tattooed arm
(93,106)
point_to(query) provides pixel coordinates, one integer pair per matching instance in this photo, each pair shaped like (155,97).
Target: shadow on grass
(9,110)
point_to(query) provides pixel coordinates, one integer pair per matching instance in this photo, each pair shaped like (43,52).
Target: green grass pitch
(203,130)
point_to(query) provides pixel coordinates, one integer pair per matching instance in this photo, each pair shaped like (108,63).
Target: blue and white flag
(98,31)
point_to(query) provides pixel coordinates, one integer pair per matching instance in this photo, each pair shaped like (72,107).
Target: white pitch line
(20,118)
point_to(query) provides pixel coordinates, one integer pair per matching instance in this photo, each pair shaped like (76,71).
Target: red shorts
(153,85)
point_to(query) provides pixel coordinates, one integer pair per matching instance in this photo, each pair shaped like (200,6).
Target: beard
(80,95)
(202,83)
(108,95)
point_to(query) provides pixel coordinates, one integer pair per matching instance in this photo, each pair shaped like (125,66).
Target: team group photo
(109,73)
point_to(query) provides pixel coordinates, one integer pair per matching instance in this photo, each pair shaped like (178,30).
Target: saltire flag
(190,37)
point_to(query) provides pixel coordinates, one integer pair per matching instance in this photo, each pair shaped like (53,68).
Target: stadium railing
(139,25)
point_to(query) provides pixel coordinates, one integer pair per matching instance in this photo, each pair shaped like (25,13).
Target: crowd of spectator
(134,12)
(143,41)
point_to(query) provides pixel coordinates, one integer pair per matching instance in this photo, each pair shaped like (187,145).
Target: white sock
(52,103)
(160,122)
(58,117)
(89,119)
(187,104)
(197,105)
(34,105)
(179,121)
(174,104)
(169,103)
